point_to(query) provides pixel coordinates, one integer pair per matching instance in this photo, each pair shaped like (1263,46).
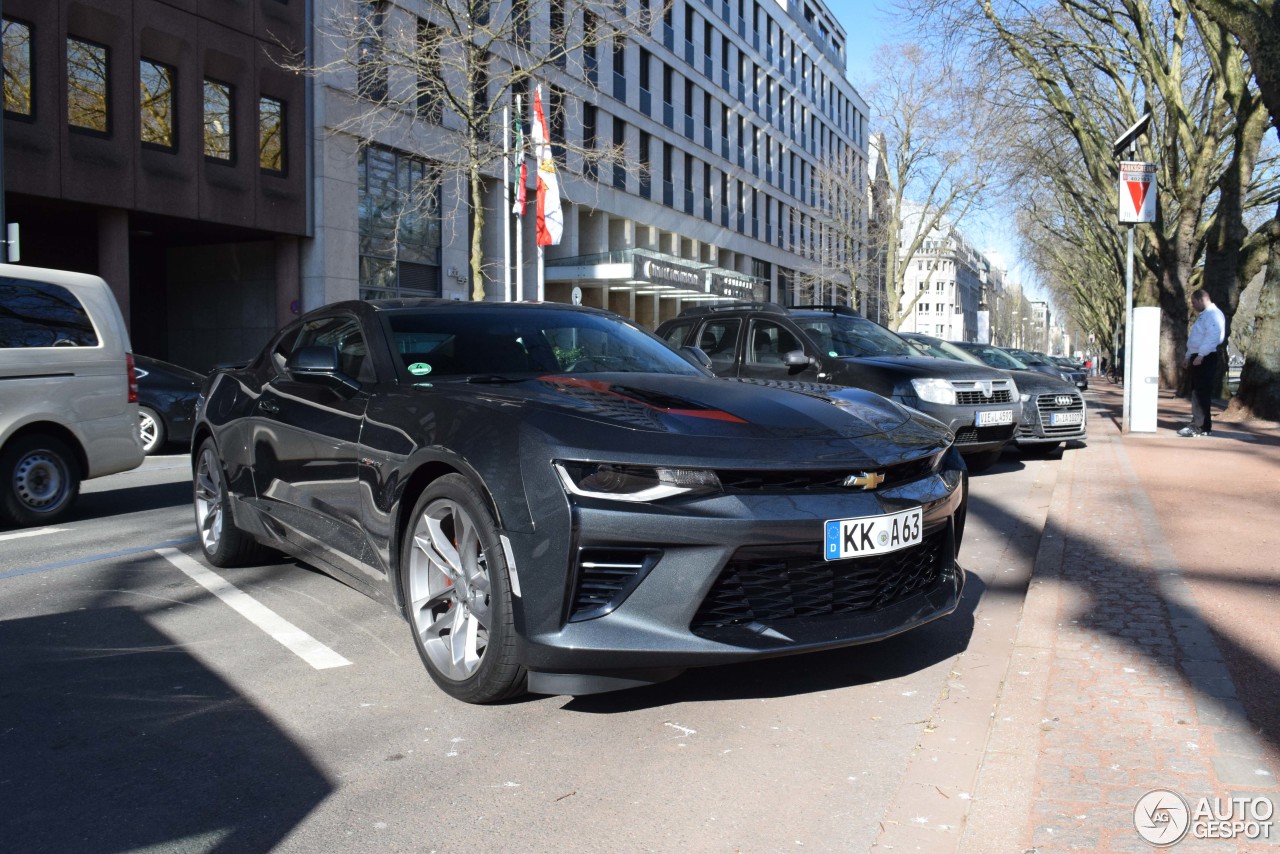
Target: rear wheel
(982,462)
(457,594)
(221,541)
(151,428)
(41,479)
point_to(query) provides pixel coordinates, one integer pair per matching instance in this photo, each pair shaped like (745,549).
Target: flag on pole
(550,222)
(522,170)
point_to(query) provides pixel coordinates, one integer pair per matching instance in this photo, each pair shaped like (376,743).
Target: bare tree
(842,269)
(931,178)
(436,77)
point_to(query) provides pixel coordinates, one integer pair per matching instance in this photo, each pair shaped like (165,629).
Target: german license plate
(1059,419)
(873,535)
(993,417)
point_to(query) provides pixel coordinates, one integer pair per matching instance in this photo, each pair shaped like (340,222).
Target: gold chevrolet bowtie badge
(865,480)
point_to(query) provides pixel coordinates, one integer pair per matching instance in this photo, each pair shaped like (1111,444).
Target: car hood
(922,367)
(700,406)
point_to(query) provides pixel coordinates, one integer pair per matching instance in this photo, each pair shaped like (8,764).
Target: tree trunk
(477,232)
(1259,393)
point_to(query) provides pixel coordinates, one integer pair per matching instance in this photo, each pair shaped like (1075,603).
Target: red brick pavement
(1119,682)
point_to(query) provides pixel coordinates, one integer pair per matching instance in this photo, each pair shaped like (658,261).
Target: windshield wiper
(494,379)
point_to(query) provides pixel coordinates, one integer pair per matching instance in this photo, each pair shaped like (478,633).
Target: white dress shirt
(1207,332)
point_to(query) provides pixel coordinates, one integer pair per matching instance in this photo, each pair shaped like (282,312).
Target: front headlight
(634,483)
(935,391)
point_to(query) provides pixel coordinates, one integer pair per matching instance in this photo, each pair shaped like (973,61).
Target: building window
(399,229)
(371,69)
(18,98)
(87,86)
(217,120)
(430,104)
(271,134)
(156,105)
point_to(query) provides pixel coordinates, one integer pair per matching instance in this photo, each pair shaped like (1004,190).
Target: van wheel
(41,479)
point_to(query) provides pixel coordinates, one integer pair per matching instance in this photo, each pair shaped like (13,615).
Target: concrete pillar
(113,255)
(288,280)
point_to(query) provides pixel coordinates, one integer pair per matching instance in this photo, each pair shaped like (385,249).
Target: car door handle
(269,406)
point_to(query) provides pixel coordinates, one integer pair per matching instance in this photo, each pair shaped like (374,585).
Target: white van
(68,394)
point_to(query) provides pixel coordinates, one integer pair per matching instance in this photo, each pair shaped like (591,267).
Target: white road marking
(290,636)
(34,532)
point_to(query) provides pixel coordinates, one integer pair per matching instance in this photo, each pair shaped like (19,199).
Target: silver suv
(68,394)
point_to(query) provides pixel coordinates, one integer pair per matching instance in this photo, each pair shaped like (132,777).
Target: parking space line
(34,532)
(81,561)
(286,633)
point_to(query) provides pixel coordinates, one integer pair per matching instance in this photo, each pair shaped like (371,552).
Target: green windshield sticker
(419,368)
(833,354)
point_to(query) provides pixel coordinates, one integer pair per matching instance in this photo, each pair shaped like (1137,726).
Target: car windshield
(939,349)
(455,342)
(842,335)
(996,358)
(1029,358)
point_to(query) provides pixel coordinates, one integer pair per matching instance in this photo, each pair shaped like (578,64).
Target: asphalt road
(147,703)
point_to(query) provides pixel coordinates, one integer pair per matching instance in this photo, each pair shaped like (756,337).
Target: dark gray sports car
(559,503)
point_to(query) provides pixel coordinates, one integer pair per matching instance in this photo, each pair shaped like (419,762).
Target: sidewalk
(1148,654)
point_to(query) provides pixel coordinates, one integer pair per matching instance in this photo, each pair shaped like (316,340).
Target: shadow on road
(115,739)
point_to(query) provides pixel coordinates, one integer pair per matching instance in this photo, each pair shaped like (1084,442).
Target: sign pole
(1128,335)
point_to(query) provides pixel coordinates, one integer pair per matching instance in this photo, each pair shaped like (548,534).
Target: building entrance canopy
(667,276)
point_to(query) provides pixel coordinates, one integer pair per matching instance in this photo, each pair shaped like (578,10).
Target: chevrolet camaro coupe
(559,503)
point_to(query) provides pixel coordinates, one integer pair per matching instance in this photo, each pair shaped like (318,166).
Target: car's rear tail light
(132,376)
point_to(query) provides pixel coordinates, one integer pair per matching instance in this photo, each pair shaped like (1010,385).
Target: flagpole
(542,277)
(520,219)
(506,203)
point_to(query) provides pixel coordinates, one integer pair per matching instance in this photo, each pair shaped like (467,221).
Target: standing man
(1202,361)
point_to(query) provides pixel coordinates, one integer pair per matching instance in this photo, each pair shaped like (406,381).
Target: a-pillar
(113,255)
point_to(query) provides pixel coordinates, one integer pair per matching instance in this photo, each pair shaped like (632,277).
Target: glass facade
(399,231)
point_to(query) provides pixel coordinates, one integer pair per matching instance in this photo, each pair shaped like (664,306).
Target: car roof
(767,308)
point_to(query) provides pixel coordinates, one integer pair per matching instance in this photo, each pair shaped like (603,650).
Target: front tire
(41,480)
(221,541)
(152,430)
(457,594)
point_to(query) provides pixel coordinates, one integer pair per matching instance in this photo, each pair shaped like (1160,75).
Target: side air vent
(605,577)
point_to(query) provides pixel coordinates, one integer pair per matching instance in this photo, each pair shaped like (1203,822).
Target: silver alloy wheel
(40,480)
(208,498)
(149,430)
(449,589)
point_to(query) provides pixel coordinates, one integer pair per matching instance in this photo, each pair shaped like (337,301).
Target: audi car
(557,502)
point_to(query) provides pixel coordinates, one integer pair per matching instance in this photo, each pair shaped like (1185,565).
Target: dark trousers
(1202,377)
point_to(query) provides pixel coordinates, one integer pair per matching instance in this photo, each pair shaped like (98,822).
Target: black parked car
(559,503)
(1076,370)
(166,402)
(836,345)
(1052,411)
(1038,362)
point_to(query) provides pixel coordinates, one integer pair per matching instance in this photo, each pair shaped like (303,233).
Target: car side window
(38,314)
(719,340)
(344,334)
(676,334)
(769,342)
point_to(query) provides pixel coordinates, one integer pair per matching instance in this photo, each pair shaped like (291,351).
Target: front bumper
(727,579)
(1038,415)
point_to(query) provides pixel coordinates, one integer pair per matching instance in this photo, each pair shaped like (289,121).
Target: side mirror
(797,359)
(318,364)
(697,355)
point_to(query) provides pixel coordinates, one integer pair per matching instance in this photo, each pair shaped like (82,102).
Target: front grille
(605,576)
(978,393)
(973,435)
(1047,405)
(819,480)
(976,398)
(764,584)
